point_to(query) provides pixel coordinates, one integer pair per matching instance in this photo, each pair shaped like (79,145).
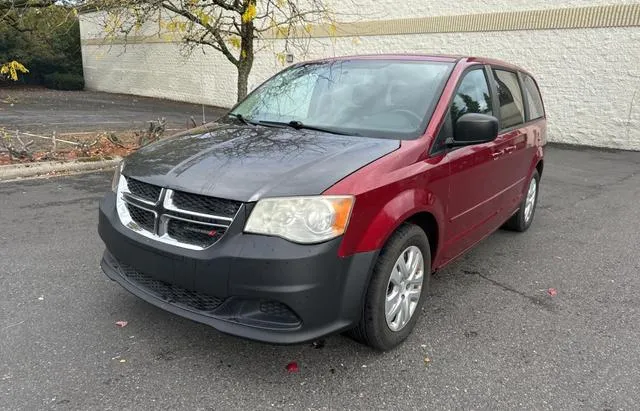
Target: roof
(428,57)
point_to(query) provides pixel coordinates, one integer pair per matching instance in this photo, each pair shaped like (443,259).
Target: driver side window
(472,96)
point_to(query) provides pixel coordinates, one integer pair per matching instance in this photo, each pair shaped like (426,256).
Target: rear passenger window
(472,95)
(534,100)
(510,97)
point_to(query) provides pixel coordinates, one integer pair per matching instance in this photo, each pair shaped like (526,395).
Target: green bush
(64,81)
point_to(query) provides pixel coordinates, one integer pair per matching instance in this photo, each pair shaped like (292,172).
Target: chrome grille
(144,191)
(183,219)
(205,205)
(144,218)
(194,233)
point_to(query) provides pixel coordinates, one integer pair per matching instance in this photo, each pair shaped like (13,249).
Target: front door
(473,203)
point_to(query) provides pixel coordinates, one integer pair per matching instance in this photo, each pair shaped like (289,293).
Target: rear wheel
(396,292)
(521,220)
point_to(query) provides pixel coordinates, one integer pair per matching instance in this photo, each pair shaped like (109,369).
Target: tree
(231,27)
(41,35)
(12,12)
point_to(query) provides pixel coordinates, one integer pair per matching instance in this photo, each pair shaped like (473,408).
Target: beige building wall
(585,55)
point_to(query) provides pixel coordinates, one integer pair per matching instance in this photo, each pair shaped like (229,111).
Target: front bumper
(257,287)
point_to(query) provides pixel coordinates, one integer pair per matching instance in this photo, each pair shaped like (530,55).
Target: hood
(246,163)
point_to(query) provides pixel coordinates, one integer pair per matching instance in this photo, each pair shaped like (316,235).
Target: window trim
(496,100)
(432,149)
(523,76)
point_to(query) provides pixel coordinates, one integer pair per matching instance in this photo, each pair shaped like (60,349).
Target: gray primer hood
(246,163)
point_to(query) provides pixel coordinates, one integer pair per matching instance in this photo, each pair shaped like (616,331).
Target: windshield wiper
(241,118)
(300,125)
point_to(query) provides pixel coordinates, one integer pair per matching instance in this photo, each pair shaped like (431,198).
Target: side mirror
(474,128)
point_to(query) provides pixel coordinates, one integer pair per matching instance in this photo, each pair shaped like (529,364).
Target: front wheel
(396,292)
(521,220)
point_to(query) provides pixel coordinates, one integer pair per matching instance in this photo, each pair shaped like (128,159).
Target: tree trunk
(245,61)
(243,79)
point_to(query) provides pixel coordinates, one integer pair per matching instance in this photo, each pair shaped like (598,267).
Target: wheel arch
(414,206)
(428,223)
(540,166)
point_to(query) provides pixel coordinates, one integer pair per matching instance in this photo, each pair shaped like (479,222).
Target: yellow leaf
(282,58)
(282,31)
(12,68)
(250,13)
(308,28)
(204,17)
(243,54)
(235,41)
(75,12)
(281,3)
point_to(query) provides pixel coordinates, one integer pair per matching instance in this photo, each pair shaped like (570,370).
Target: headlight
(116,177)
(301,219)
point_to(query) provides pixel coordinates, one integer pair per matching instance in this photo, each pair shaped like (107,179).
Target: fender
(374,226)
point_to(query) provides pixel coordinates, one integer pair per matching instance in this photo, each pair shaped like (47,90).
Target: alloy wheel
(404,288)
(530,202)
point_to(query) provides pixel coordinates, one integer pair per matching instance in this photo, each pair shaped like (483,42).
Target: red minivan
(323,201)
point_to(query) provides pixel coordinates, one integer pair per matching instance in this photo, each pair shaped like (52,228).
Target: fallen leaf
(427,360)
(121,323)
(123,360)
(292,367)
(552,292)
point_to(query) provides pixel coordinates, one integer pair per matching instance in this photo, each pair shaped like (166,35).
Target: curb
(24,170)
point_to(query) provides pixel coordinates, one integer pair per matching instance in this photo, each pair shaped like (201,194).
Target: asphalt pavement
(42,111)
(490,337)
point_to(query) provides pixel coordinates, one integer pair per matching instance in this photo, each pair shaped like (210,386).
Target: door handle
(497,154)
(510,149)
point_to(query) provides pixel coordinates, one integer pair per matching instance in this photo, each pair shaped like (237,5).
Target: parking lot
(490,337)
(44,111)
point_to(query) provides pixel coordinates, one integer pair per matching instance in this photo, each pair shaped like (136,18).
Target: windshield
(378,98)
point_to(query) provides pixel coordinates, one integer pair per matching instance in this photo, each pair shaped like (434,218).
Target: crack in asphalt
(537,300)
(605,188)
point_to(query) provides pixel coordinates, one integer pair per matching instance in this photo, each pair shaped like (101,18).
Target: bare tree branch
(212,30)
(230,27)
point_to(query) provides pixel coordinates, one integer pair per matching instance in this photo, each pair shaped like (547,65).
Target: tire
(520,221)
(373,328)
